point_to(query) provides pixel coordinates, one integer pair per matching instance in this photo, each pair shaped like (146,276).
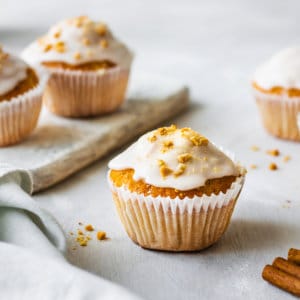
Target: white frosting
(12,71)
(82,44)
(282,70)
(207,161)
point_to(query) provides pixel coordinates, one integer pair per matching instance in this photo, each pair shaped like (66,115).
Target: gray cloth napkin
(32,247)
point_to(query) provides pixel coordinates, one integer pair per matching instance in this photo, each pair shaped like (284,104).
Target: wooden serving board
(59,147)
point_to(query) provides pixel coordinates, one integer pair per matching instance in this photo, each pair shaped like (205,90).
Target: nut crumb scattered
(273,166)
(255,148)
(83,238)
(273,152)
(101,235)
(253,166)
(286,158)
(89,227)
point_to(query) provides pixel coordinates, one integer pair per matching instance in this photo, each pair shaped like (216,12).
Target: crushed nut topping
(164,169)
(60,47)
(101,29)
(166,130)
(47,47)
(57,34)
(167,145)
(179,170)
(152,138)
(79,21)
(77,55)
(160,163)
(185,157)
(194,137)
(104,43)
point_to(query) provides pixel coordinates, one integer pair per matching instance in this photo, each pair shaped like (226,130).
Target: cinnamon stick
(282,280)
(294,256)
(287,266)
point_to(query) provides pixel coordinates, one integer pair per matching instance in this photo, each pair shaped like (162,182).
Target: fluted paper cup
(19,115)
(72,93)
(167,224)
(280,114)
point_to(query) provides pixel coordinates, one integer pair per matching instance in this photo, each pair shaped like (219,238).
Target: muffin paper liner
(72,93)
(19,115)
(280,114)
(187,224)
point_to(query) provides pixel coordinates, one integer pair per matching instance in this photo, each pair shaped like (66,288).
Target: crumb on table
(273,152)
(255,148)
(89,227)
(273,166)
(101,235)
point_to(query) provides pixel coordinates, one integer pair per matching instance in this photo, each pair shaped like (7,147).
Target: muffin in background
(174,190)
(276,86)
(20,99)
(89,67)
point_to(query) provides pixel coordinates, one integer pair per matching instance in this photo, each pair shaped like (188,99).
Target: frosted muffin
(174,190)
(276,86)
(20,99)
(89,67)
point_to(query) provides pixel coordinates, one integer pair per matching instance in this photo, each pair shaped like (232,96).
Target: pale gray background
(214,47)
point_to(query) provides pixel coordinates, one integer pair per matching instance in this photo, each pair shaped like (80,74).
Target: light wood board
(59,147)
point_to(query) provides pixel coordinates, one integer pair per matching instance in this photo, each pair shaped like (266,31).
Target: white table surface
(214,47)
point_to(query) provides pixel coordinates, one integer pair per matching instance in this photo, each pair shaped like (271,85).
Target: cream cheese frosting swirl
(282,70)
(77,41)
(175,158)
(12,71)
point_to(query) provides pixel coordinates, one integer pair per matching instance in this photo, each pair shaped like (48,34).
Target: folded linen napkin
(32,245)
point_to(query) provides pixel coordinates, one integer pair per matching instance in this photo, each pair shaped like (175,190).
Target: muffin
(276,86)
(20,99)
(174,190)
(89,67)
